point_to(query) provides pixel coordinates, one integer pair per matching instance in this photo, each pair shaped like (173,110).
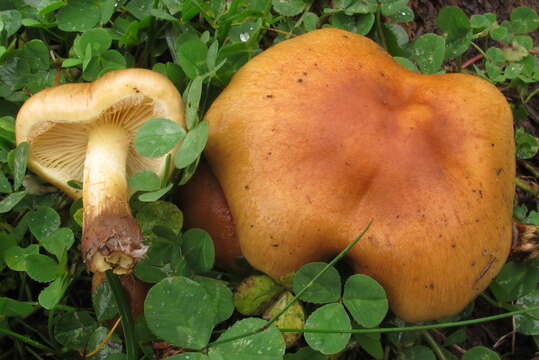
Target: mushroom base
(112,242)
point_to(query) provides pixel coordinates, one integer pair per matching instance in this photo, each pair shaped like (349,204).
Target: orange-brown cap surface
(322,133)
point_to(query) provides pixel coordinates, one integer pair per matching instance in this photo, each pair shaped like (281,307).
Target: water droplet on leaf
(244,37)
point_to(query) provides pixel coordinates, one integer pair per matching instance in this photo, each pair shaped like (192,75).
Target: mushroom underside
(100,153)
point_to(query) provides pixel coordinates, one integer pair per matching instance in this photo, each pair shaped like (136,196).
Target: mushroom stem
(111,237)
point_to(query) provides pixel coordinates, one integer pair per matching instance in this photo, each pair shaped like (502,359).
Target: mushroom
(320,134)
(202,199)
(85,132)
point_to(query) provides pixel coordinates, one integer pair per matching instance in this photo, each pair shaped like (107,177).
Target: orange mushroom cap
(204,206)
(320,134)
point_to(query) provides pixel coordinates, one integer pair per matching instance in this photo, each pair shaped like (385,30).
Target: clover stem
(111,237)
(433,345)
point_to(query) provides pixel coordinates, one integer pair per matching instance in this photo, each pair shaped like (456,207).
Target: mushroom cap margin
(84,102)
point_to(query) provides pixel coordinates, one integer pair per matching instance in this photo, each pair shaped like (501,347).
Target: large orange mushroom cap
(320,134)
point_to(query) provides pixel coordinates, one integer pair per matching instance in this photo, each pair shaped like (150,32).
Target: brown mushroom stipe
(85,132)
(320,134)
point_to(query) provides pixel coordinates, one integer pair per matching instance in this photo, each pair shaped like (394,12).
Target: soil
(426,10)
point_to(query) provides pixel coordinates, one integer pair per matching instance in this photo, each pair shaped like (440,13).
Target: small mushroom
(321,133)
(204,206)
(85,132)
